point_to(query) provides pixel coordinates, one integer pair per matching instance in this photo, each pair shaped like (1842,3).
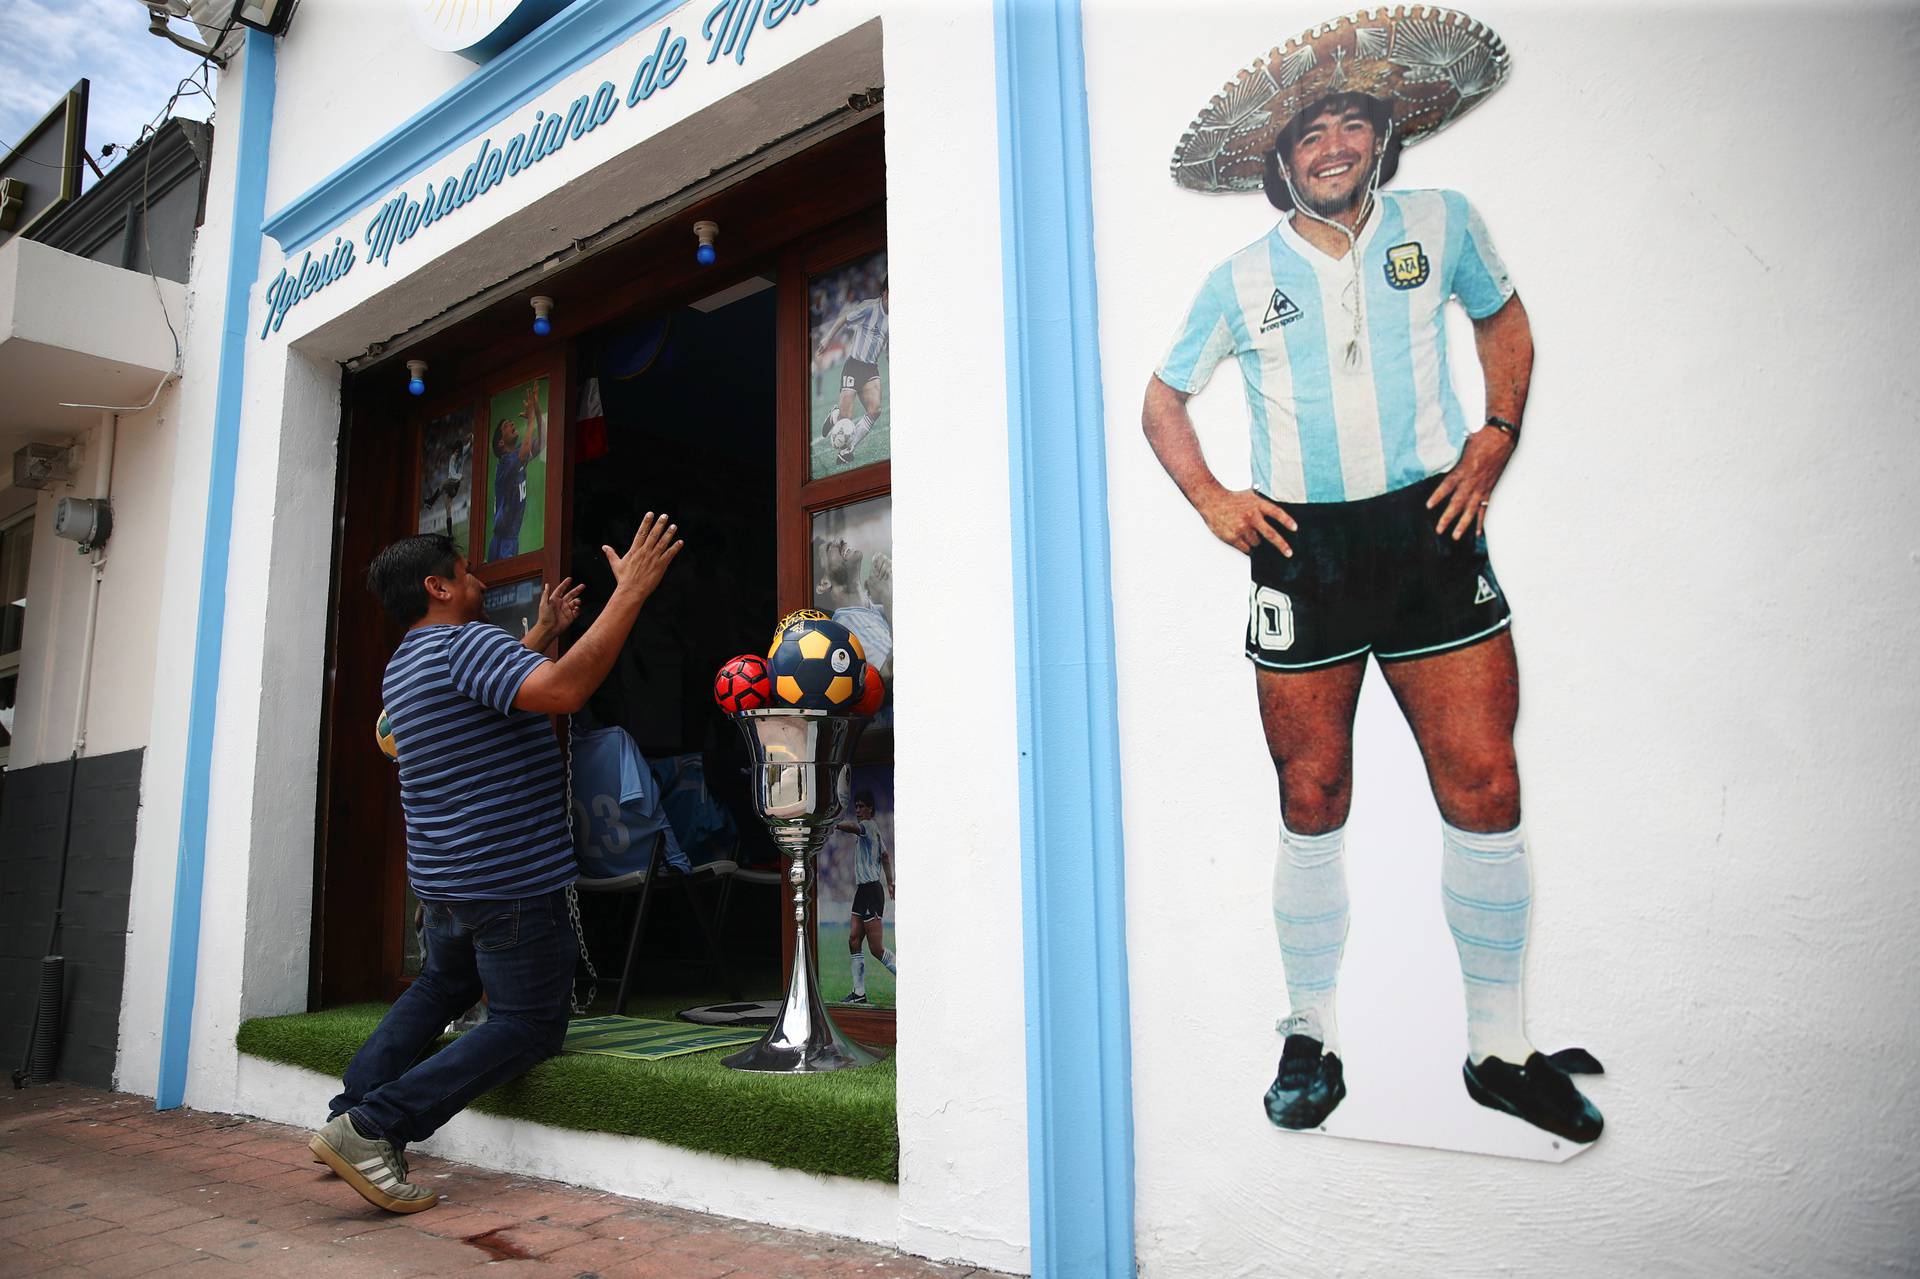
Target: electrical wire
(147,133)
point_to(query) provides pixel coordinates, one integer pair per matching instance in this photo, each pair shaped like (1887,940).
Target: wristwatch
(1499,423)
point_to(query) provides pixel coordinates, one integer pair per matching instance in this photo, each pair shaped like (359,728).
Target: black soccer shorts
(1370,576)
(870,900)
(855,374)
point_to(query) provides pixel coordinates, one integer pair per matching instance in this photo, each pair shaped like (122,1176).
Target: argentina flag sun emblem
(1406,266)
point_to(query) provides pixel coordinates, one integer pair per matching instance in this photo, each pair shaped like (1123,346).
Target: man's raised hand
(646,561)
(559,605)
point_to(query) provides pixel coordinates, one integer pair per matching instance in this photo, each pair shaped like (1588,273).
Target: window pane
(16,550)
(514,608)
(446,475)
(9,685)
(513,507)
(849,419)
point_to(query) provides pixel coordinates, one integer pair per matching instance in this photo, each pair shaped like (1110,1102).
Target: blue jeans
(521,954)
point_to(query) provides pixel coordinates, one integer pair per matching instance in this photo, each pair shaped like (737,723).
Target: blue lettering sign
(728,29)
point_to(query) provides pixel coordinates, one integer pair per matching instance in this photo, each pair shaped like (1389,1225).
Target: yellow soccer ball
(383,734)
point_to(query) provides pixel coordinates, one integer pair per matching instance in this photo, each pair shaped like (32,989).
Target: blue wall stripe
(576,36)
(243,267)
(1079,1107)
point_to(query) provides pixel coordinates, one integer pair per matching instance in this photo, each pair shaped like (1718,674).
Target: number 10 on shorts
(1270,619)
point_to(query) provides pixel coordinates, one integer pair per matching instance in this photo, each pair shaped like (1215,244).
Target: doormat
(754,1012)
(648,1040)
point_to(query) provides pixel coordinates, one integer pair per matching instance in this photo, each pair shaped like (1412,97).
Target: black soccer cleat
(1310,1084)
(857,997)
(1539,1092)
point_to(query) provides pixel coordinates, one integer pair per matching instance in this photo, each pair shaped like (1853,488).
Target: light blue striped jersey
(866,857)
(1324,430)
(482,785)
(863,330)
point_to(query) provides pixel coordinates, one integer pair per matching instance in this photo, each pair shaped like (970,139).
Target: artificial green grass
(836,968)
(840,1123)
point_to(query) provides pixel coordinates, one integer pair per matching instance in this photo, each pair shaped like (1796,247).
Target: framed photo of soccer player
(853,575)
(446,474)
(854,901)
(849,425)
(513,474)
(513,606)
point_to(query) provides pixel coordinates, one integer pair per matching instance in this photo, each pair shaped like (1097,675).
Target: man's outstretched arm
(563,687)
(1504,341)
(1239,517)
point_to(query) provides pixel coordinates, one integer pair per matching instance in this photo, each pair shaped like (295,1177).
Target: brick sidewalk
(98,1183)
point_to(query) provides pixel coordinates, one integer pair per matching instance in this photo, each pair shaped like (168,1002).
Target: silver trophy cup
(798,759)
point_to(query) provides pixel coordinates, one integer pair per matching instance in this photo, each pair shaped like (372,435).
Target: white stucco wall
(59,581)
(350,71)
(963,1184)
(175,622)
(962,1023)
(1708,536)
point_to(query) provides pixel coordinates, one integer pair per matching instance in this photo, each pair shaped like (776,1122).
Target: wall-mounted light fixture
(706,233)
(416,377)
(542,313)
(270,16)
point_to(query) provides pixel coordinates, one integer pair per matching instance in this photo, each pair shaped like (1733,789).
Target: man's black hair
(864,797)
(1378,111)
(398,575)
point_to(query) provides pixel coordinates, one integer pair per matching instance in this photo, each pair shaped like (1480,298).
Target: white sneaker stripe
(368,1165)
(384,1180)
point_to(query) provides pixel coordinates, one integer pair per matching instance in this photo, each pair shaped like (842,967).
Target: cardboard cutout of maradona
(1364,525)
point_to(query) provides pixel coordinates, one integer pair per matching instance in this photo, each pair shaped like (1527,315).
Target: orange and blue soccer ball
(383,734)
(817,665)
(743,684)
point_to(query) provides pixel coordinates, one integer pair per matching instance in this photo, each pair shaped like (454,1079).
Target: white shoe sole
(379,1198)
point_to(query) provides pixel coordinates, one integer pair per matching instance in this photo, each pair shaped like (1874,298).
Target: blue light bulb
(542,325)
(705,255)
(416,387)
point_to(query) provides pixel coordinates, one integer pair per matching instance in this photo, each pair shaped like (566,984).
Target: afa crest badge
(1407,266)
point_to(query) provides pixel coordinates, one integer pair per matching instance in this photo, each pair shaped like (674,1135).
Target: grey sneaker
(373,1168)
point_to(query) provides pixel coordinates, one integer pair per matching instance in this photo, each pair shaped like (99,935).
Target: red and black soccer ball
(743,684)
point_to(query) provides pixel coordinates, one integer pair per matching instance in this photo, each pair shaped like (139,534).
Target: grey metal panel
(145,210)
(93,939)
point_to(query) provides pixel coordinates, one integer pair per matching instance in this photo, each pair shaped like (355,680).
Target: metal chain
(573,902)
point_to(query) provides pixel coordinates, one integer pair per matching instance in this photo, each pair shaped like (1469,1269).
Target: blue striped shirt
(482,785)
(867,854)
(863,330)
(1324,430)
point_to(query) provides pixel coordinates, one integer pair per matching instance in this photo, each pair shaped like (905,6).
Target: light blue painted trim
(1079,1105)
(575,36)
(243,267)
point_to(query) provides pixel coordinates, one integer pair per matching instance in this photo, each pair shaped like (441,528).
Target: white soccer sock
(859,958)
(1487,890)
(861,425)
(886,961)
(1310,917)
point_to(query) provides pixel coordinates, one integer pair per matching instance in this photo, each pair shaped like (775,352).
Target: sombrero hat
(1430,65)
